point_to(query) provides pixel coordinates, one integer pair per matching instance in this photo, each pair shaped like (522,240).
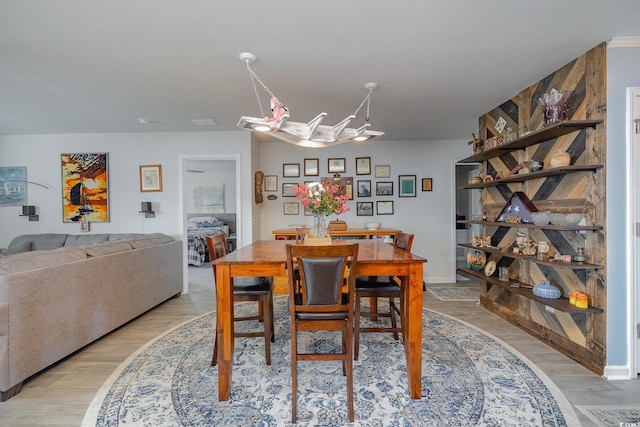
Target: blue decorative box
(545,289)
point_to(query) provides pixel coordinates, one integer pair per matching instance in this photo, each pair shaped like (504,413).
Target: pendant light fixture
(310,134)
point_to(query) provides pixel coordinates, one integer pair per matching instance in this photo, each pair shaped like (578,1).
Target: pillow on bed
(198,219)
(206,224)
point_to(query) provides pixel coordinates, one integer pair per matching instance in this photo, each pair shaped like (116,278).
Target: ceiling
(77,66)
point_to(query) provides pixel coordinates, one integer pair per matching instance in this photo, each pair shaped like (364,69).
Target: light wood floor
(61,394)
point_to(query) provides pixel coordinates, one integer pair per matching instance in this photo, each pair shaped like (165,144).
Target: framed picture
(363,165)
(150,178)
(364,208)
(384,188)
(383,171)
(384,207)
(287,190)
(291,208)
(291,170)
(271,183)
(407,186)
(337,165)
(364,188)
(14,186)
(427,184)
(85,187)
(345,183)
(311,167)
(208,197)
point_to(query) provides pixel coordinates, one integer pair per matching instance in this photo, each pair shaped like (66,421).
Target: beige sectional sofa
(60,292)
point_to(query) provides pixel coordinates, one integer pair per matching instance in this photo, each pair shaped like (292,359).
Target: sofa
(60,292)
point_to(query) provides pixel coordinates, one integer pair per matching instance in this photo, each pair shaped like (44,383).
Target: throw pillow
(23,246)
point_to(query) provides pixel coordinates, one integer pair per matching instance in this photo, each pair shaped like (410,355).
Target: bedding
(198,228)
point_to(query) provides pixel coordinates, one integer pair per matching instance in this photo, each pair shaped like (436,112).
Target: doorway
(209,188)
(466,208)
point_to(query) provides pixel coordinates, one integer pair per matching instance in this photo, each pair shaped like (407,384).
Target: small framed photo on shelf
(291,208)
(364,188)
(407,186)
(150,178)
(363,165)
(384,188)
(311,167)
(427,184)
(364,208)
(291,170)
(383,171)
(271,183)
(337,165)
(287,190)
(384,207)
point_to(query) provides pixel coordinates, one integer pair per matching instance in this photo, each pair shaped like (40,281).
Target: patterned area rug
(607,416)
(456,293)
(469,378)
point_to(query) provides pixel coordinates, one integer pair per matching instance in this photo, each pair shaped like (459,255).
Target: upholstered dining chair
(258,289)
(322,306)
(380,287)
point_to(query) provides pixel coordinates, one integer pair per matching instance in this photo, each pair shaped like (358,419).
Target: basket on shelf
(337,225)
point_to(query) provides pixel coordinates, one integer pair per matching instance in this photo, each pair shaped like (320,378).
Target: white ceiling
(75,66)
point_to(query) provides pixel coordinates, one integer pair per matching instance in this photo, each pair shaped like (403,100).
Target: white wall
(41,155)
(430,215)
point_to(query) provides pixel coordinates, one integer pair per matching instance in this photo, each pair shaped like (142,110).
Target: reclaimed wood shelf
(550,132)
(563,170)
(550,263)
(560,304)
(527,225)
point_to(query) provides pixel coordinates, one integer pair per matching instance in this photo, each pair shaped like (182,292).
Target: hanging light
(311,134)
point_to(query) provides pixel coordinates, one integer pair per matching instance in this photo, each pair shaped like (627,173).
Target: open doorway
(210,204)
(466,208)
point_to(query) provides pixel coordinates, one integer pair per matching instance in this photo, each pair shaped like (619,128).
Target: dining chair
(381,287)
(258,289)
(322,306)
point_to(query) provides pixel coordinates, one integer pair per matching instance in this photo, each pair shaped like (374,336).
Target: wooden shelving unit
(527,225)
(533,175)
(550,263)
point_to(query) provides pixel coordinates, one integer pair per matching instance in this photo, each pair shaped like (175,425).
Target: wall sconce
(30,211)
(147,210)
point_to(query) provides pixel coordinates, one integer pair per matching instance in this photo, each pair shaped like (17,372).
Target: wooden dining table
(268,258)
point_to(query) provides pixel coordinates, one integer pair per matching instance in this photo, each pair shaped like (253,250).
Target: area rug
(469,378)
(456,293)
(606,416)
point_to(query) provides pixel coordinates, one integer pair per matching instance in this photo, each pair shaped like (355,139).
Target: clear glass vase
(319,230)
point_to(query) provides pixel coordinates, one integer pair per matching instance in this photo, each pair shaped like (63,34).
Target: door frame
(182,194)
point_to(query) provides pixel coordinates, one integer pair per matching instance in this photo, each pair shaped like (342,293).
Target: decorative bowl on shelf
(545,289)
(372,225)
(574,218)
(541,218)
(566,219)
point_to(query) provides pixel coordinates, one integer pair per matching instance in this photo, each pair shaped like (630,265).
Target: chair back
(403,241)
(301,234)
(218,247)
(323,270)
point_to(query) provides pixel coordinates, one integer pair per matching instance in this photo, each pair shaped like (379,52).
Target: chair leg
(356,321)
(294,377)
(268,333)
(214,360)
(392,313)
(349,362)
(273,331)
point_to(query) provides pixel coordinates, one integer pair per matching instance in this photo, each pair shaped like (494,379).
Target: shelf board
(563,170)
(560,304)
(527,225)
(542,135)
(550,263)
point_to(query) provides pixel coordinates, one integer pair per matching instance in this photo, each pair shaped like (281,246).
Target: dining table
(268,258)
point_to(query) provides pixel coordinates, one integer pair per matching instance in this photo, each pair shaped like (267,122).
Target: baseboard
(620,372)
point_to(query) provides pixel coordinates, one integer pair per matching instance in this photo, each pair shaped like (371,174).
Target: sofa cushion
(42,242)
(151,240)
(125,236)
(22,246)
(108,248)
(85,239)
(40,259)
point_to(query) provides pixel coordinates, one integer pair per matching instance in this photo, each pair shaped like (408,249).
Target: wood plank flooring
(60,395)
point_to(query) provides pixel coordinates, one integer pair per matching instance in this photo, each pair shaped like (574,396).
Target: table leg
(413,329)
(224,298)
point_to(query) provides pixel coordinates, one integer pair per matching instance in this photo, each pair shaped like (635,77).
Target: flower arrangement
(322,198)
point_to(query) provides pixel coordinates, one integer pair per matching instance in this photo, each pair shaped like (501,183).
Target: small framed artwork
(363,165)
(384,207)
(407,186)
(384,188)
(364,188)
(291,170)
(287,190)
(271,183)
(364,208)
(291,208)
(311,167)
(383,171)
(337,165)
(427,184)
(150,178)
